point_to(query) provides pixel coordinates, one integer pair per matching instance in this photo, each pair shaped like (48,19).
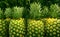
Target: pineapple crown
(1,14)
(45,12)
(54,10)
(8,13)
(17,12)
(35,10)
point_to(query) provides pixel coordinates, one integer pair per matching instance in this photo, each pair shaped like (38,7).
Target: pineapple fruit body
(3,28)
(52,27)
(35,28)
(17,28)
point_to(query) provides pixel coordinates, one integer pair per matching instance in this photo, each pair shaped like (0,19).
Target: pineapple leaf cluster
(54,10)
(45,12)
(35,10)
(8,13)
(17,12)
(1,14)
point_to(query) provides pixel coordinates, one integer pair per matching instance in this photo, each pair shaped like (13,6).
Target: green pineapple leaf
(35,10)
(17,12)
(45,12)
(1,14)
(54,10)
(8,12)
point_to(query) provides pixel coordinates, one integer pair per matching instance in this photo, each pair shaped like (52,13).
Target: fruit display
(29,18)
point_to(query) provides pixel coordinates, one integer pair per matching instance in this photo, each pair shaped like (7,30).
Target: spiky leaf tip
(17,12)
(35,10)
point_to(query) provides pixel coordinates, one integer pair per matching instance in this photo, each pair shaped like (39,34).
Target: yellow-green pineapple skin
(2,28)
(17,28)
(52,27)
(35,28)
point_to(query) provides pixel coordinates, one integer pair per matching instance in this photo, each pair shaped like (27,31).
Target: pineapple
(2,25)
(3,28)
(52,25)
(35,26)
(17,26)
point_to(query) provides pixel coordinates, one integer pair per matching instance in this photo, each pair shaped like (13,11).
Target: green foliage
(1,14)
(35,10)
(41,1)
(12,3)
(45,12)
(49,2)
(8,13)
(34,6)
(55,1)
(20,2)
(17,12)
(54,10)
(4,4)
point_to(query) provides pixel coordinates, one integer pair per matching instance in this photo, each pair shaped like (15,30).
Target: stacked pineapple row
(50,27)
(42,22)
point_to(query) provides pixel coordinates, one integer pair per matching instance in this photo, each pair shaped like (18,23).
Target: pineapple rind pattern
(2,28)
(17,28)
(52,27)
(35,28)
